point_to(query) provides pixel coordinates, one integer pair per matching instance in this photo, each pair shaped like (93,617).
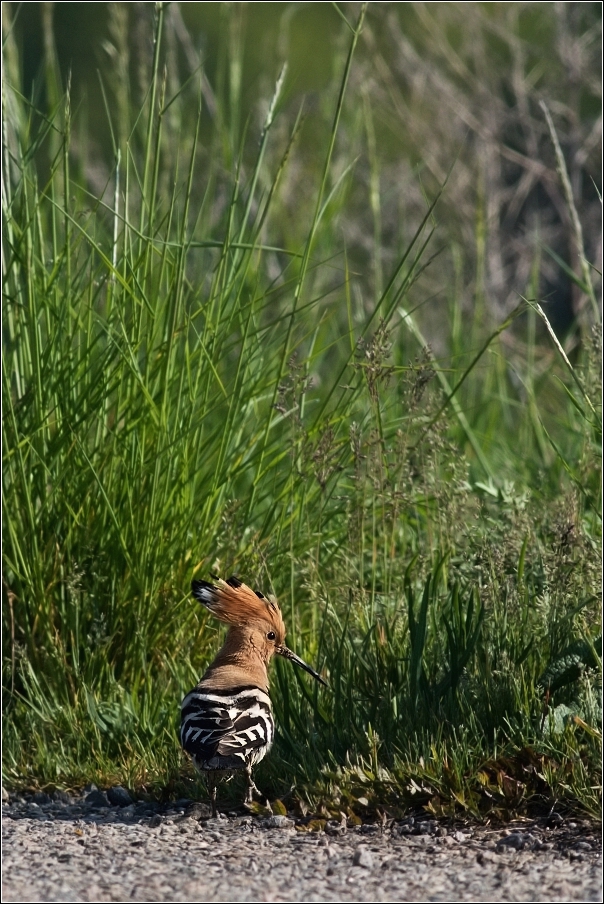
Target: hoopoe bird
(227,720)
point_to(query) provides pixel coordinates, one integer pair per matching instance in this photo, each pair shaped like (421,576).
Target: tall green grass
(185,392)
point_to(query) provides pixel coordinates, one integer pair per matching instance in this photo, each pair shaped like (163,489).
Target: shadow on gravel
(114,806)
(569,836)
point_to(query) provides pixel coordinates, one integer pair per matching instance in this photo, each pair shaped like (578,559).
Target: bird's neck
(238,664)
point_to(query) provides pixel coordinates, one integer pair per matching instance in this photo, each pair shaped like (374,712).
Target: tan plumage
(227,722)
(246,653)
(235,603)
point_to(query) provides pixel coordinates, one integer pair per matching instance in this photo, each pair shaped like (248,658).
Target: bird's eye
(271,635)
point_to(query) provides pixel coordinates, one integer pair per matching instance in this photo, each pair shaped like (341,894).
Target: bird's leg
(251,787)
(212,791)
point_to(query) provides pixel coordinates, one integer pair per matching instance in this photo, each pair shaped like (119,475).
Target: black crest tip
(201,588)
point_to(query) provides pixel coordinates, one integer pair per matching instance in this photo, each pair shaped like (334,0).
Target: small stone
(363,857)
(405,827)
(583,846)
(484,857)
(243,821)
(278,822)
(198,810)
(334,828)
(514,842)
(428,827)
(441,832)
(62,797)
(145,809)
(555,819)
(118,796)
(368,829)
(459,836)
(96,799)
(155,821)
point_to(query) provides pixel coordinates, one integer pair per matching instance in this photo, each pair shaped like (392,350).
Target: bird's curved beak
(287,654)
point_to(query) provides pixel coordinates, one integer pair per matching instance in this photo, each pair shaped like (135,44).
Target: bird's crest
(235,603)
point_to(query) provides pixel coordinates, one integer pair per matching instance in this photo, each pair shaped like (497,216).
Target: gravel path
(64,850)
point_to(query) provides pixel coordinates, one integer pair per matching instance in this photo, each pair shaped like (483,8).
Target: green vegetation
(194,380)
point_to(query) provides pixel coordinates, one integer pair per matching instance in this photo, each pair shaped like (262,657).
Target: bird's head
(257,620)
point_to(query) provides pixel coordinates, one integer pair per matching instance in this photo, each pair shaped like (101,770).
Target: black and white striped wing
(226,730)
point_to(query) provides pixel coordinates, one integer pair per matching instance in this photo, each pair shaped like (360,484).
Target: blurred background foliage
(432,83)
(306,292)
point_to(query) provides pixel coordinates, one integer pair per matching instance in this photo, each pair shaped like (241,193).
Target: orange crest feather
(235,603)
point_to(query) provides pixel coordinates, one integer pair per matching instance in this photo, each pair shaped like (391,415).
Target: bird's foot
(249,794)
(251,788)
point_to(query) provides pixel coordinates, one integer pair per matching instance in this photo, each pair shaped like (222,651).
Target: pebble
(96,798)
(484,857)
(136,853)
(514,841)
(363,857)
(279,822)
(119,797)
(198,810)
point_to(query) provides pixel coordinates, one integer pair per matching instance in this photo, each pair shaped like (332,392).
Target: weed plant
(184,391)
